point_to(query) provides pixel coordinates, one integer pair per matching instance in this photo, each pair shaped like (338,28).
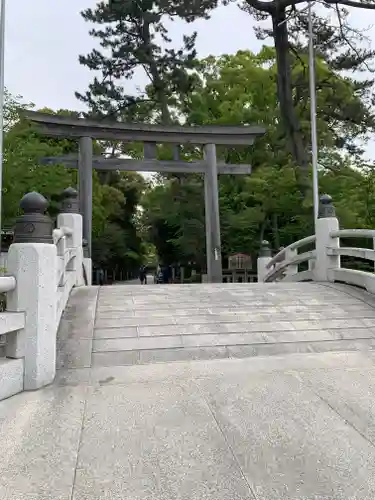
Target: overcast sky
(45,37)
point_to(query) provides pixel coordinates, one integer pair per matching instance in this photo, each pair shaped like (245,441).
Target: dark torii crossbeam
(147,165)
(151,135)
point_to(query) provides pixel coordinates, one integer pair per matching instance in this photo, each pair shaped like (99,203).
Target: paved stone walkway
(137,324)
(265,427)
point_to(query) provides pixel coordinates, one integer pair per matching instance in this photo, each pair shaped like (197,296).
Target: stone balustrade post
(263,259)
(326,223)
(311,265)
(290,253)
(32,260)
(70,217)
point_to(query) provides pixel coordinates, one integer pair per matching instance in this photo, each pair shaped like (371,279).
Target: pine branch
(280,5)
(262,6)
(352,3)
(346,39)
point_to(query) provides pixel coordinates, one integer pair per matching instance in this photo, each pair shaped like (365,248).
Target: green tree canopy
(116,244)
(242,89)
(133,36)
(337,42)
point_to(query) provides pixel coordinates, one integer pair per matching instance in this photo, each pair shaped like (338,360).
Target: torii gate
(151,135)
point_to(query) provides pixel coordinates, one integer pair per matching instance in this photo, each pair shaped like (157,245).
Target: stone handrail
(280,256)
(7,283)
(66,267)
(363,279)
(325,260)
(43,265)
(60,232)
(279,269)
(287,260)
(353,233)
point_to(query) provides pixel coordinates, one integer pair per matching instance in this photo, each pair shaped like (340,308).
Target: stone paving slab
(296,446)
(112,333)
(301,427)
(133,344)
(351,395)
(40,434)
(160,441)
(115,358)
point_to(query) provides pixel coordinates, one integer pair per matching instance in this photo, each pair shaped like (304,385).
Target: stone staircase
(163,323)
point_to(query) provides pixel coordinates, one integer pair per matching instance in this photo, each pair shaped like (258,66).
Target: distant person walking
(166,274)
(143,275)
(101,277)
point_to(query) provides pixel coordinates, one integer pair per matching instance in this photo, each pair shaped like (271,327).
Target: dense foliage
(133,35)
(335,40)
(116,245)
(266,204)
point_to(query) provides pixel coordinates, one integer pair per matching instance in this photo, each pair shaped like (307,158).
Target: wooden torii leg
(208,218)
(85,187)
(213,239)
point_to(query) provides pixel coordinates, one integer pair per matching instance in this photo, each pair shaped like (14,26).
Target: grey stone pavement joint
(228,409)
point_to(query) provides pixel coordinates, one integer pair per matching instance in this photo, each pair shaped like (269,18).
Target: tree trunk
(275,230)
(156,80)
(288,113)
(262,231)
(163,101)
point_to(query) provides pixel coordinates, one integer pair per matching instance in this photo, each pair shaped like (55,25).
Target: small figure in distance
(158,277)
(101,277)
(143,275)
(166,274)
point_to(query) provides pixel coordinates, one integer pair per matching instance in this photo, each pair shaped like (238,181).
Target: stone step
(158,325)
(255,314)
(227,339)
(140,325)
(192,342)
(175,302)
(167,355)
(271,327)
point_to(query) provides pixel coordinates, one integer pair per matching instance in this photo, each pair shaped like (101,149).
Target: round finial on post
(265,250)
(70,201)
(34,226)
(34,203)
(326,208)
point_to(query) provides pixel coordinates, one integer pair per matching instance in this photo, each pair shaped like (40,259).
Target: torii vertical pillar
(85,187)
(212,216)
(208,217)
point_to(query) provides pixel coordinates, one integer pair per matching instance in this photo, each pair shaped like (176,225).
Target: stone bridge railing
(324,260)
(43,265)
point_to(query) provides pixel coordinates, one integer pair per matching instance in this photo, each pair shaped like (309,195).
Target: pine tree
(132,35)
(335,41)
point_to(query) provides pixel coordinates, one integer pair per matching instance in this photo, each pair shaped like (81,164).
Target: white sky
(45,37)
